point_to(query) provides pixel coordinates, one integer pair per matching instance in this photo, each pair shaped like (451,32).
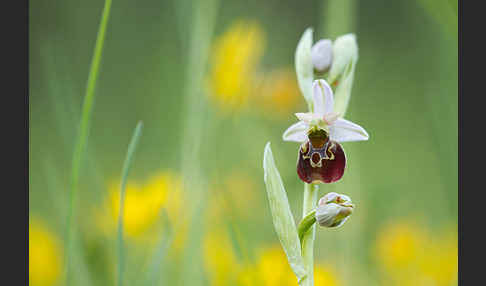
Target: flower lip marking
(318,148)
(316,160)
(320,159)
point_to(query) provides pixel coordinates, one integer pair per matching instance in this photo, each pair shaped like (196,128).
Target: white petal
(344,131)
(323,97)
(297,132)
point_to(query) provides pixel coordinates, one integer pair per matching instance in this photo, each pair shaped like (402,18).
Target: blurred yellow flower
(399,245)
(272,269)
(324,276)
(219,258)
(280,93)
(143,207)
(45,255)
(234,60)
(439,262)
(410,255)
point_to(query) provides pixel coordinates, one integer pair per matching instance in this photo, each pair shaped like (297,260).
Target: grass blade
(126,167)
(203,18)
(83,132)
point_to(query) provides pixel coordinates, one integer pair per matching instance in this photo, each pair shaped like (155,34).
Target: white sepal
(303,66)
(296,132)
(345,56)
(345,51)
(343,130)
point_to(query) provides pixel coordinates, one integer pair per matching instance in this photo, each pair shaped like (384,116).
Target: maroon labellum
(320,159)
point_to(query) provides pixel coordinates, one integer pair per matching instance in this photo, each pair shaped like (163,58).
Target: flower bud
(321,55)
(333,210)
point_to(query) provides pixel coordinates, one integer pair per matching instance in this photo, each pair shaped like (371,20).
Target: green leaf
(82,137)
(303,66)
(345,56)
(283,220)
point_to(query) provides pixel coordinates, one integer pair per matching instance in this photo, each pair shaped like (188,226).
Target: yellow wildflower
(273,269)
(324,276)
(280,93)
(219,259)
(412,256)
(399,245)
(234,58)
(143,207)
(44,255)
(439,261)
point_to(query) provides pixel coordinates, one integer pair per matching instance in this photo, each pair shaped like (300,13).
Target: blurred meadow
(213,81)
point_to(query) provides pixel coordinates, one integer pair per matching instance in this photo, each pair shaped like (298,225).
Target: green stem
(202,27)
(310,200)
(339,18)
(126,167)
(83,134)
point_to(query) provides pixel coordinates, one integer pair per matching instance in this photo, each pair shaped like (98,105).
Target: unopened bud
(333,210)
(321,55)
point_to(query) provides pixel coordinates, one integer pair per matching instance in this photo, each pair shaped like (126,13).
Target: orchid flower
(321,157)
